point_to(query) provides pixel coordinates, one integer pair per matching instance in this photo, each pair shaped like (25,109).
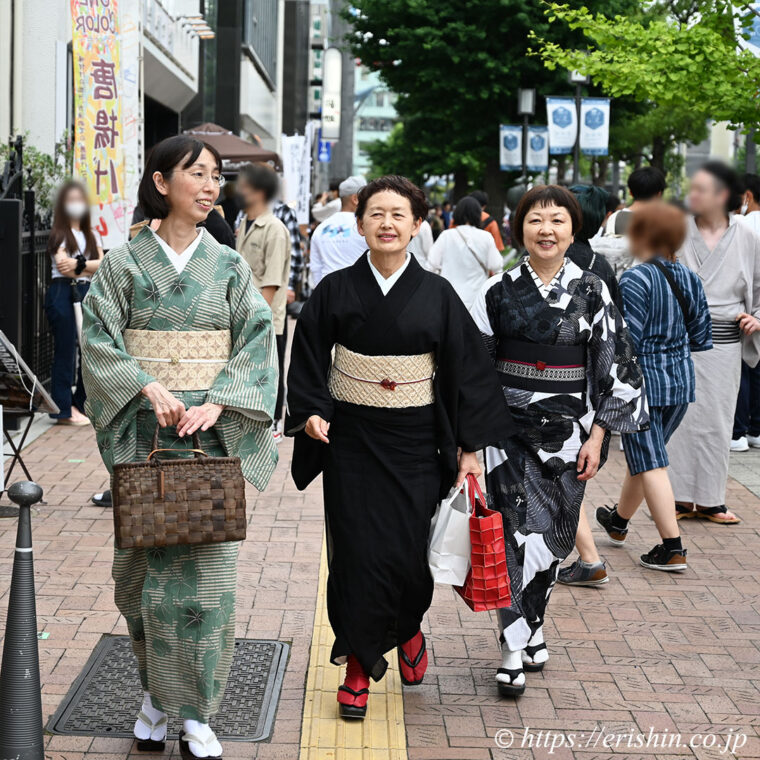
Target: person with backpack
(666,311)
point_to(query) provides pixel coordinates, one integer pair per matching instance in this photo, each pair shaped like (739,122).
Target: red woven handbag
(487,583)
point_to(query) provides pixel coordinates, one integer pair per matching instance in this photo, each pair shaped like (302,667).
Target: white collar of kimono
(387,284)
(544,289)
(179,260)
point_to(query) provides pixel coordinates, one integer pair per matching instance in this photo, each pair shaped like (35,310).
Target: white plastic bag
(449,545)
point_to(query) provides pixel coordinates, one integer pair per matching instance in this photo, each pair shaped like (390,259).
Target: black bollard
(20,698)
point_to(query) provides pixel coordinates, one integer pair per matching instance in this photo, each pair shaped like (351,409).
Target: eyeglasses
(201,178)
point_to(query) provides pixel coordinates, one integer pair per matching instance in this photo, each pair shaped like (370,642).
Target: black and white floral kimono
(565,361)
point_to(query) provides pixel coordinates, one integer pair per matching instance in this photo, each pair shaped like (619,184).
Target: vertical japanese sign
(538,149)
(562,118)
(98,146)
(595,126)
(510,147)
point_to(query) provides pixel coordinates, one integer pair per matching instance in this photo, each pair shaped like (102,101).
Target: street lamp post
(578,80)
(526,107)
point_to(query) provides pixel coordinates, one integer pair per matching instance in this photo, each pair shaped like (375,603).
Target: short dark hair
(546,195)
(177,151)
(751,184)
(593,203)
(727,178)
(468,211)
(394,183)
(646,183)
(660,227)
(613,201)
(260,177)
(480,196)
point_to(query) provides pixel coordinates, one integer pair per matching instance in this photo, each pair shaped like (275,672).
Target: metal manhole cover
(106,697)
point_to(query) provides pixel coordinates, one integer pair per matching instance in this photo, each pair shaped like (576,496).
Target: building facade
(375,115)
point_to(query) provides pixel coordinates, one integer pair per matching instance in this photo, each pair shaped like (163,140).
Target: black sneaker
(616,535)
(102,499)
(583,575)
(660,558)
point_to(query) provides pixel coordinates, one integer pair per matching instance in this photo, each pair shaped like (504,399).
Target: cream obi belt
(393,382)
(180,360)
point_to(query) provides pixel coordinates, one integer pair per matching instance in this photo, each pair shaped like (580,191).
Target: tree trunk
(658,153)
(461,183)
(561,168)
(493,184)
(602,163)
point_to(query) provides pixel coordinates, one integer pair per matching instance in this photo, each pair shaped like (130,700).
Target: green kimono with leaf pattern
(179,602)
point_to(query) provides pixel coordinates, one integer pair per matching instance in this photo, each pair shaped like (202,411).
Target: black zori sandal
(184,746)
(352,711)
(510,689)
(531,651)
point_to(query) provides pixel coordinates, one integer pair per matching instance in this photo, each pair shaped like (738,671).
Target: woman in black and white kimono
(567,367)
(388,380)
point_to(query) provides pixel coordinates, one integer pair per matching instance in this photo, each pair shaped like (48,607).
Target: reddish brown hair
(546,195)
(658,227)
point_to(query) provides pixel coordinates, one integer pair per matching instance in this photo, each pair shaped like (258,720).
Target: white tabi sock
(150,723)
(542,655)
(511,661)
(207,744)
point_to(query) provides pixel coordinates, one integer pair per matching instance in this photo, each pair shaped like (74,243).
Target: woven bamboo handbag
(178,501)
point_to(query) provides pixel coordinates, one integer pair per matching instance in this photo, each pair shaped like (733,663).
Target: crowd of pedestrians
(417,361)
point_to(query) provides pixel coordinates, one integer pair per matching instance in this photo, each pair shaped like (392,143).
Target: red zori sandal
(354,692)
(413,660)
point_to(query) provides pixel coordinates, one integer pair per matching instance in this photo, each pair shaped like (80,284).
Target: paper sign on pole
(333,75)
(538,149)
(595,126)
(562,119)
(510,147)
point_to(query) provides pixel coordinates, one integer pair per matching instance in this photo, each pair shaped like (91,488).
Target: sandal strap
(719,510)
(359,693)
(511,673)
(405,657)
(531,650)
(681,509)
(141,716)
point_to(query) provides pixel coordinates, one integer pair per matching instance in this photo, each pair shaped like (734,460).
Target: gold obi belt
(180,360)
(393,382)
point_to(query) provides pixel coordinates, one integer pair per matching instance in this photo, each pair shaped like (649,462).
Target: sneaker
(661,558)
(754,441)
(740,444)
(583,574)
(615,535)
(276,434)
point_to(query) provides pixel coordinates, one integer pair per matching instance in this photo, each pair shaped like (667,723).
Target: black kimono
(385,469)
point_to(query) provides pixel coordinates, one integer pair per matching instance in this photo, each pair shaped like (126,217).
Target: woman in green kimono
(217,376)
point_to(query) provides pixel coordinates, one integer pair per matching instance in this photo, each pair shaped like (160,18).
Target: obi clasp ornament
(365,380)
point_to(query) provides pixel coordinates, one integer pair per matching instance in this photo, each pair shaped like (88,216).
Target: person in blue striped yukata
(666,310)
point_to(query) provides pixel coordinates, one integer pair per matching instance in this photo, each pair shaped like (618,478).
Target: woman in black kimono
(567,367)
(410,384)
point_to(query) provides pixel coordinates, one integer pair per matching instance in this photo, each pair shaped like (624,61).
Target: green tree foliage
(456,67)
(685,56)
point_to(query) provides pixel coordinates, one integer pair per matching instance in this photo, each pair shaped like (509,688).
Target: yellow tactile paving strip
(324,734)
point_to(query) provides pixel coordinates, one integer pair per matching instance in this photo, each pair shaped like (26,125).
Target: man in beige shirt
(264,242)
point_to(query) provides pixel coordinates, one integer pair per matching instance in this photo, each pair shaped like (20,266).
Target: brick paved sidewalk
(678,654)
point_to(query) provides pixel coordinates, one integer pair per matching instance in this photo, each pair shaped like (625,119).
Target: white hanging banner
(562,119)
(538,149)
(510,147)
(595,126)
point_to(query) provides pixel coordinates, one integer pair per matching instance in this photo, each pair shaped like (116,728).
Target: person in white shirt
(336,243)
(746,432)
(465,254)
(75,250)
(422,243)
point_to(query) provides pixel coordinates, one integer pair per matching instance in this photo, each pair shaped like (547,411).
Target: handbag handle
(197,450)
(475,489)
